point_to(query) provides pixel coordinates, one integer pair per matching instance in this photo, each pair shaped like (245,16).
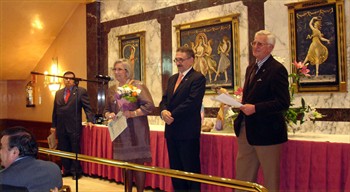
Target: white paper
(117,125)
(51,140)
(228,100)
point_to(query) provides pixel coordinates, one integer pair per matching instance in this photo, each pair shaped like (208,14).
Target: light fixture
(54,84)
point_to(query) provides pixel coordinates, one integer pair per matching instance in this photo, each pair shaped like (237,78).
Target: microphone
(104,77)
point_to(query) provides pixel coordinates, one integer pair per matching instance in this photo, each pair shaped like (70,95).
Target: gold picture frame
(216,46)
(132,47)
(317,38)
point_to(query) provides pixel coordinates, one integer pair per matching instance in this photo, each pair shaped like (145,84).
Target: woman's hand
(110,115)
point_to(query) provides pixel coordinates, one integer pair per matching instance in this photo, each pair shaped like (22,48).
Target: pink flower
(238,92)
(298,65)
(305,71)
(301,68)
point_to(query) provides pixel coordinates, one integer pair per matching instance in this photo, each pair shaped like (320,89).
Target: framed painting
(132,47)
(215,43)
(317,39)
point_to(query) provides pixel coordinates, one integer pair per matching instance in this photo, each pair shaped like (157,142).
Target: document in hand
(117,125)
(228,100)
(51,140)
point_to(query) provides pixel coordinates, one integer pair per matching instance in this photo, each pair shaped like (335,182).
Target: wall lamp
(53,82)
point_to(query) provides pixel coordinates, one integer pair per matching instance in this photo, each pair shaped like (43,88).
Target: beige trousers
(250,157)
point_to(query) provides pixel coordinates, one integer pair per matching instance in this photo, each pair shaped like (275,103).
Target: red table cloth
(305,165)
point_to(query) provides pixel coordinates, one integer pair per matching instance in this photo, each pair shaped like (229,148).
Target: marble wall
(276,20)
(153,52)
(112,9)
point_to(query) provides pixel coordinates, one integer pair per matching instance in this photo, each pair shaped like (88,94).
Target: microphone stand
(75,78)
(77,124)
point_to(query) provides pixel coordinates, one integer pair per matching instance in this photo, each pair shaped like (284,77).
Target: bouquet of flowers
(127,96)
(305,112)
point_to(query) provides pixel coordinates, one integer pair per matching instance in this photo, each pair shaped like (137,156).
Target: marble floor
(91,184)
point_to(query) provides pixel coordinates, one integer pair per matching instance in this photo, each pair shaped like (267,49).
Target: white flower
(128,92)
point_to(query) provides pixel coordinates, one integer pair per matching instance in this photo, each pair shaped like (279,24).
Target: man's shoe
(66,174)
(75,177)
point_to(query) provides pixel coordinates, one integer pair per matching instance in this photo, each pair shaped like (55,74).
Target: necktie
(178,81)
(252,74)
(67,95)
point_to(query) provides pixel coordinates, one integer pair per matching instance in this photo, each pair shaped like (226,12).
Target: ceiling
(27,29)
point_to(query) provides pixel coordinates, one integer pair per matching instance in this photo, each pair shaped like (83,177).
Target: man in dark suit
(67,119)
(180,109)
(22,171)
(260,125)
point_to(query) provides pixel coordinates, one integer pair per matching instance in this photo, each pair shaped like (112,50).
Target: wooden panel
(40,129)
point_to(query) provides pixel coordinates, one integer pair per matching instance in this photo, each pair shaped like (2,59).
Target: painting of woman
(224,62)
(317,53)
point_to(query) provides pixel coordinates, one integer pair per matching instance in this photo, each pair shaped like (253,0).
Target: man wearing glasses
(260,126)
(180,109)
(67,119)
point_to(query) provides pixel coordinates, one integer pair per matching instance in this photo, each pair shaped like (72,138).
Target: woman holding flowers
(135,101)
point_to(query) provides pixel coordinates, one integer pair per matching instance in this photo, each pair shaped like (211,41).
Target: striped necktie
(252,74)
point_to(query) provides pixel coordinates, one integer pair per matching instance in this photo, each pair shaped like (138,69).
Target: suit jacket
(36,175)
(10,188)
(269,92)
(68,115)
(185,105)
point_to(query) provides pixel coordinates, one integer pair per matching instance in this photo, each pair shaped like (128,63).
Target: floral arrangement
(238,93)
(128,92)
(305,112)
(225,116)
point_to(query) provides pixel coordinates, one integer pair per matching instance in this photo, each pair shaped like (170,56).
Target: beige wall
(70,49)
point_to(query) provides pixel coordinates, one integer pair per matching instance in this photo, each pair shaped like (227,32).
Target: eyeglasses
(258,44)
(180,60)
(67,79)
(117,69)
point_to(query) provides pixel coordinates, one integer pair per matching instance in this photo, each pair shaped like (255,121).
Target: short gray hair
(271,39)
(127,66)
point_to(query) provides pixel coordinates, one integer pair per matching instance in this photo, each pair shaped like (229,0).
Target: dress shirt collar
(71,88)
(185,72)
(261,62)
(20,158)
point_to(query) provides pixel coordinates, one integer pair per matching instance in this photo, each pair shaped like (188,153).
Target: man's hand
(166,116)
(89,124)
(248,109)
(54,190)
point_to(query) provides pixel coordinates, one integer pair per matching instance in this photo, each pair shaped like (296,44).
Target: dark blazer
(36,175)
(269,92)
(185,105)
(68,115)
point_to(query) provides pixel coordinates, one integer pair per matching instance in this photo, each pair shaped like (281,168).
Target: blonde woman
(133,144)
